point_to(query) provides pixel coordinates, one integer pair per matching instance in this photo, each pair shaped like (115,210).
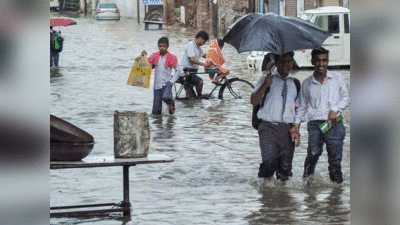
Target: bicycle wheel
(236,88)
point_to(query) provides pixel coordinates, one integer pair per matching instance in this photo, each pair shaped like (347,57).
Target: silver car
(107,11)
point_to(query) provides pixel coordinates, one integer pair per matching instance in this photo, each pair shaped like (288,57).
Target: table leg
(126,204)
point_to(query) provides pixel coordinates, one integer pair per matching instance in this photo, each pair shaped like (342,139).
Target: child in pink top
(163,62)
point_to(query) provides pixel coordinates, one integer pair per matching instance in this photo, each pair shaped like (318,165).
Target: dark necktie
(284,94)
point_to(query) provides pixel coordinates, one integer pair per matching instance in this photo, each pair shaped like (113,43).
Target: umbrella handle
(270,65)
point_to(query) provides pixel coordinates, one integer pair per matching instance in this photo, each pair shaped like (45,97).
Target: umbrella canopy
(274,33)
(61,21)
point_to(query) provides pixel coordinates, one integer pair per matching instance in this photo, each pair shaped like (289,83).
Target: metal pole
(218,31)
(126,204)
(138,13)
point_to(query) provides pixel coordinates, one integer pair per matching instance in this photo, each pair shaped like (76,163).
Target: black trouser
(277,150)
(334,146)
(54,57)
(157,101)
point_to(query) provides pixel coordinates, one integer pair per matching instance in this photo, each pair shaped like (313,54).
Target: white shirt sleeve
(303,103)
(191,51)
(175,76)
(260,82)
(344,99)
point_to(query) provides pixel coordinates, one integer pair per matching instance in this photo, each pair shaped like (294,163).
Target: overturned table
(125,205)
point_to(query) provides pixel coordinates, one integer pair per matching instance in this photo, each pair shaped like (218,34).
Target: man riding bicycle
(190,59)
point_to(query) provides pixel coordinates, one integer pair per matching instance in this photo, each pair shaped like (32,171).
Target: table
(147,22)
(95,162)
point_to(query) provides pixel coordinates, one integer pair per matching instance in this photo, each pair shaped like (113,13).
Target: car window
(346,24)
(306,16)
(107,6)
(328,23)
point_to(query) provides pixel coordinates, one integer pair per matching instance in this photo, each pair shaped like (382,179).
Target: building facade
(216,16)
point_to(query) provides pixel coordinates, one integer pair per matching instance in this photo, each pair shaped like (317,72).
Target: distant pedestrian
(324,96)
(277,115)
(163,62)
(190,59)
(56,46)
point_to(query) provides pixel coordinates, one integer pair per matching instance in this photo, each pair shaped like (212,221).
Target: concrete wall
(291,8)
(309,4)
(203,16)
(331,3)
(229,11)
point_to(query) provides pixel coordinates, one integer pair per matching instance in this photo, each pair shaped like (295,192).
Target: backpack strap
(263,99)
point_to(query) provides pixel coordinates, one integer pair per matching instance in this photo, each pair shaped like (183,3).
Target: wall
(291,8)
(309,4)
(229,11)
(203,16)
(331,3)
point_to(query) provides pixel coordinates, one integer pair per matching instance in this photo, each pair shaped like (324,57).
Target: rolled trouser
(277,150)
(334,146)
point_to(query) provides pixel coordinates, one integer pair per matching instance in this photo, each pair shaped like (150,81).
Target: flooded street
(213,179)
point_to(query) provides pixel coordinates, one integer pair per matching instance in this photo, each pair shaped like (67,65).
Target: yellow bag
(140,72)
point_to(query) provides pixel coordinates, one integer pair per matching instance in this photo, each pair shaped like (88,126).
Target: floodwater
(213,179)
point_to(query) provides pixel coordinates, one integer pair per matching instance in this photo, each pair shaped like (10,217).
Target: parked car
(107,11)
(333,19)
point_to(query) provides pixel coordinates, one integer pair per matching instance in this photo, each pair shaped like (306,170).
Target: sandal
(216,82)
(172,108)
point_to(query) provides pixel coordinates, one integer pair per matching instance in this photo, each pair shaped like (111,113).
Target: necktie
(284,94)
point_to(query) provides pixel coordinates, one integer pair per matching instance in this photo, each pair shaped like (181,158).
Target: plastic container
(131,134)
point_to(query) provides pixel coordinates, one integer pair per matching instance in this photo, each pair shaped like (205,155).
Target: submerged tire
(154,15)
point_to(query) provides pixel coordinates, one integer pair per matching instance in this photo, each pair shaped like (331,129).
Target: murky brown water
(214,177)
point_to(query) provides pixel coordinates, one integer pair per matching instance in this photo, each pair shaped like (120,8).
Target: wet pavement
(214,177)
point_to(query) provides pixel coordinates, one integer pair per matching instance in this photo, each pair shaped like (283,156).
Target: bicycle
(237,87)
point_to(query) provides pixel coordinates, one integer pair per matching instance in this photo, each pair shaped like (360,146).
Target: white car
(54,5)
(107,11)
(335,20)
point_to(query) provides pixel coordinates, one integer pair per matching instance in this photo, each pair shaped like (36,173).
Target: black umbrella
(274,33)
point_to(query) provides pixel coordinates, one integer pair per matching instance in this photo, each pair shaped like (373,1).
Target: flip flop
(216,82)
(172,108)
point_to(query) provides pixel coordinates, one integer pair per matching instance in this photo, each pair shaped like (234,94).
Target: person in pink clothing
(163,62)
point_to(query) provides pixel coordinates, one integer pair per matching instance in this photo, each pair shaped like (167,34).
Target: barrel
(131,134)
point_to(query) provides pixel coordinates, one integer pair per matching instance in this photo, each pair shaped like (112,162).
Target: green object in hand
(327,126)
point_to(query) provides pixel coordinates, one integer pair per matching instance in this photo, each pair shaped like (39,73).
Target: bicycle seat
(190,70)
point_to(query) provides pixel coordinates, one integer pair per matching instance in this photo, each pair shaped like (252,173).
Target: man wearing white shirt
(277,115)
(324,96)
(191,59)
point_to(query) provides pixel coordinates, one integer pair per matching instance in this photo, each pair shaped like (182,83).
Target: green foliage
(177,14)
